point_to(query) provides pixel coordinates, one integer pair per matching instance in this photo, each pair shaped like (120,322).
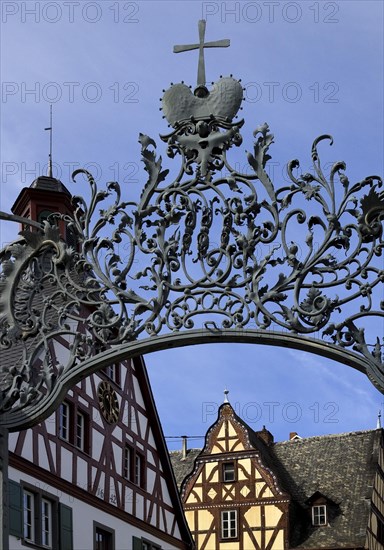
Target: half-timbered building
(96,475)
(244,491)
(375,534)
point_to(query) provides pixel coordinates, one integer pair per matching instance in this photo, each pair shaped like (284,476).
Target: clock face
(108,402)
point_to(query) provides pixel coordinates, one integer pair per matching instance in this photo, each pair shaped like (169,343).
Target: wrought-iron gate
(213,255)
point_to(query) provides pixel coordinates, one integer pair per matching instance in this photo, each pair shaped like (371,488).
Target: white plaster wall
(12,440)
(66,464)
(50,424)
(83,517)
(97,444)
(139,397)
(43,457)
(27,447)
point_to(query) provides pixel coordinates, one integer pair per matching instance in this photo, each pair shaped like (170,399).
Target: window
(229,524)
(29,516)
(64,421)
(102,540)
(44,214)
(139,468)
(104,537)
(113,372)
(25,226)
(228,472)
(38,518)
(319,515)
(127,461)
(46,523)
(134,466)
(80,431)
(73,426)
(144,544)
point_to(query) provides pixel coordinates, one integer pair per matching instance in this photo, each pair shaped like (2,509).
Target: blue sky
(308,68)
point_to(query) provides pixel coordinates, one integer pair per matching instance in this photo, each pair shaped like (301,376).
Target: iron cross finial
(200,46)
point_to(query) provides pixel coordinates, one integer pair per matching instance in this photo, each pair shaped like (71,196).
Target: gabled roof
(341,467)
(250,441)
(145,386)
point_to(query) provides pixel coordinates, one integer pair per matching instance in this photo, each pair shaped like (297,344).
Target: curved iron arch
(36,412)
(215,248)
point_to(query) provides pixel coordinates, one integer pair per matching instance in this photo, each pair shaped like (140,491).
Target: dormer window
(319,515)
(321,509)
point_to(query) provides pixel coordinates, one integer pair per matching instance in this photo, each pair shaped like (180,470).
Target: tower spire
(226,392)
(50,172)
(378,426)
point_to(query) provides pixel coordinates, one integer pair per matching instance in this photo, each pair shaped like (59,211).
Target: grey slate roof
(183,466)
(341,467)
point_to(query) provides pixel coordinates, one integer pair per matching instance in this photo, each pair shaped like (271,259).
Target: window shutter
(15,501)
(65,527)
(136,543)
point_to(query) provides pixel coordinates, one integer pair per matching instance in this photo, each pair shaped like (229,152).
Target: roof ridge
(188,450)
(342,434)
(329,436)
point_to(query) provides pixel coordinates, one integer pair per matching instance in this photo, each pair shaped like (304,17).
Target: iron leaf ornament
(217,254)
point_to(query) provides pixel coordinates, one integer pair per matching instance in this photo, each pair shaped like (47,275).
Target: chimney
(265,435)
(184,446)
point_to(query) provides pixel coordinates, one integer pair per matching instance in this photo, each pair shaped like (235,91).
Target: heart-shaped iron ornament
(223,101)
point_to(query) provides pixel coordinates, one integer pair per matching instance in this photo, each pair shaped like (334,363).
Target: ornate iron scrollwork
(215,250)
